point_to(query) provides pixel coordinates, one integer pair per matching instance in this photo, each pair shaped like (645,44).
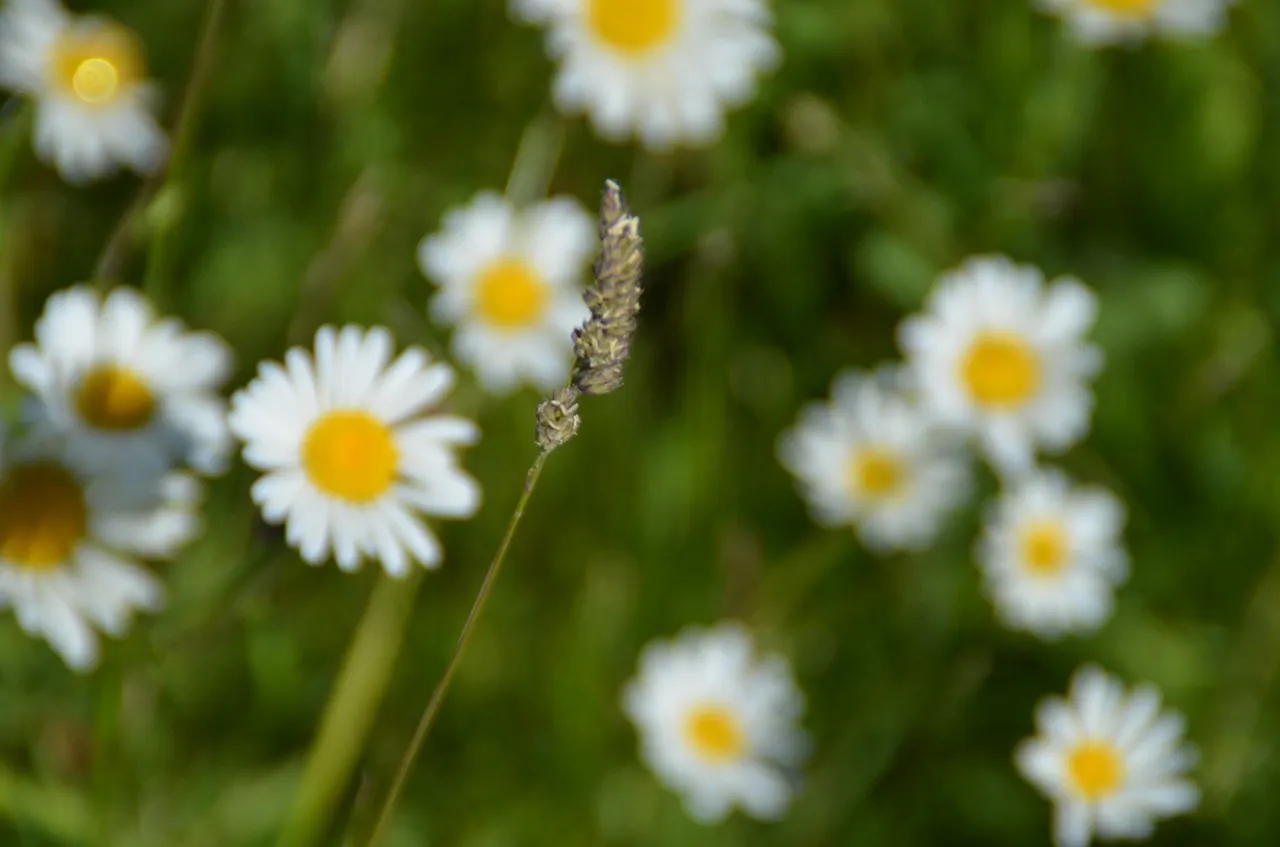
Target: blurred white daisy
(353,451)
(717,723)
(134,391)
(1108,760)
(511,283)
(871,458)
(86,75)
(70,541)
(1052,556)
(1098,22)
(664,70)
(998,354)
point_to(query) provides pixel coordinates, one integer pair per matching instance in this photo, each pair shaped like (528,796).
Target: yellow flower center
(1095,769)
(42,516)
(875,473)
(633,26)
(1126,8)
(351,455)
(96,65)
(714,733)
(1045,550)
(114,398)
(1000,369)
(510,295)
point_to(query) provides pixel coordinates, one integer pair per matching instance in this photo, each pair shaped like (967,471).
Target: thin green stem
(468,628)
(536,159)
(349,715)
(113,254)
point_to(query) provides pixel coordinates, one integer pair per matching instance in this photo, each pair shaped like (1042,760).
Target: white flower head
(510,280)
(1000,355)
(1052,556)
(1103,22)
(132,390)
(870,457)
(1108,760)
(352,451)
(717,723)
(86,74)
(664,70)
(70,541)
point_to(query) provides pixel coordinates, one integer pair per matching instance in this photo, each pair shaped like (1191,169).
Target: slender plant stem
(113,254)
(349,715)
(536,159)
(468,628)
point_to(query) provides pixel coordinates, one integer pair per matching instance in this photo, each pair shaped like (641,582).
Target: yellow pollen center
(96,65)
(510,295)
(875,473)
(114,398)
(633,26)
(714,733)
(1095,769)
(1045,550)
(350,455)
(42,516)
(1000,369)
(1126,8)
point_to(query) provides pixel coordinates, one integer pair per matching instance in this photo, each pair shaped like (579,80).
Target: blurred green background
(899,137)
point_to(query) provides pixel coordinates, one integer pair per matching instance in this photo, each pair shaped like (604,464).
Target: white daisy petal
(664,72)
(872,459)
(1000,357)
(1106,22)
(1109,765)
(503,278)
(352,453)
(712,718)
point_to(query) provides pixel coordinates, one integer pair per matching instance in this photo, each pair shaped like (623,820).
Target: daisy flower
(509,281)
(662,69)
(132,391)
(1000,355)
(70,541)
(352,450)
(1051,554)
(1109,761)
(717,723)
(87,77)
(1099,22)
(869,457)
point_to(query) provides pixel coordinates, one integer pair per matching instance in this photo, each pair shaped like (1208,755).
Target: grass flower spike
(70,540)
(870,458)
(353,450)
(132,390)
(1000,355)
(1100,22)
(1110,762)
(1052,555)
(86,74)
(717,723)
(664,70)
(510,281)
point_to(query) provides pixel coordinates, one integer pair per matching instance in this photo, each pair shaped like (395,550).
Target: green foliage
(899,137)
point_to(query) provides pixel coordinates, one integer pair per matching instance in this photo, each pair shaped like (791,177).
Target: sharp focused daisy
(1112,21)
(717,723)
(871,458)
(662,69)
(1051,555)
(510,281)
(70,540)
(93,102)
(134,391)
(1110,762)
(353,451)
(999,354)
